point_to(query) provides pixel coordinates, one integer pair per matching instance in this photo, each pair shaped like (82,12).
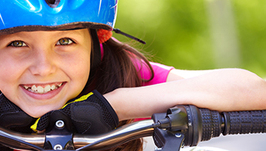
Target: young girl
(53,51)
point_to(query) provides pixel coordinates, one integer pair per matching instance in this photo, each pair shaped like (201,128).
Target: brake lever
(168,141)
(170,127)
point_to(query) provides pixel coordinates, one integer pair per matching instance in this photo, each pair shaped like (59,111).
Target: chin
(38,112)
(36,115)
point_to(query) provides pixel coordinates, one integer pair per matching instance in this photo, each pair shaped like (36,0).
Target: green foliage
(180,33)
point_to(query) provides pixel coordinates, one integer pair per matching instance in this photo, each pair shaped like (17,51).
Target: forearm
(223,90)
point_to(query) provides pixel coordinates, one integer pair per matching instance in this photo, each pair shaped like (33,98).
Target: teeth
(41,90)
(47,88)
(34,88)
(53,87)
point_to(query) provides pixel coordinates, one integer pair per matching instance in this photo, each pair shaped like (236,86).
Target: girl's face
(41,70)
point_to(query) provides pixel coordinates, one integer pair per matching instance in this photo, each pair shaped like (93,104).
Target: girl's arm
(221,89)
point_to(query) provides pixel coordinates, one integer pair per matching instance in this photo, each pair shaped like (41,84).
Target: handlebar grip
(211,124)
(244,122)
(204,124)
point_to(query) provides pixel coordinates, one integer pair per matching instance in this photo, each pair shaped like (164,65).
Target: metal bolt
(58,147)
(158,149)
(178,135)
(59,124)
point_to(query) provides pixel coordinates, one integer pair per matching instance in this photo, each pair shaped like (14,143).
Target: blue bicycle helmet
(30,15)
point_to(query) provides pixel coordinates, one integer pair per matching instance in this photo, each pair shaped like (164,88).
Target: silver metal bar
(116,137)
(10,137)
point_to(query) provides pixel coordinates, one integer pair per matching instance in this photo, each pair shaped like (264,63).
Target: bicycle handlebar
(119,136)
(195,124)
(212,123)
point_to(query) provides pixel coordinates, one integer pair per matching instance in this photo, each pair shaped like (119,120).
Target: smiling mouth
(40,89)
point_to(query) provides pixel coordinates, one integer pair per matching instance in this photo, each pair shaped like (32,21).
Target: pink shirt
(160,73)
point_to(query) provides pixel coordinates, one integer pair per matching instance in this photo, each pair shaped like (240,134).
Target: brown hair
(117,70)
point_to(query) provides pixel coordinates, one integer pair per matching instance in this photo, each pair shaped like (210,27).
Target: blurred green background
(198,34)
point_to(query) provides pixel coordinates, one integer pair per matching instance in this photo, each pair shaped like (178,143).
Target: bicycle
(179,126)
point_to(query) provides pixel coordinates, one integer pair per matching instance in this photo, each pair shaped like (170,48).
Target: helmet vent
(52,3)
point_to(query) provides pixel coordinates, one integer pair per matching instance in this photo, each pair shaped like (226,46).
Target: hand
(90,114)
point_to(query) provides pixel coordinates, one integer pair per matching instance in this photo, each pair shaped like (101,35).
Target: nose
(43,63)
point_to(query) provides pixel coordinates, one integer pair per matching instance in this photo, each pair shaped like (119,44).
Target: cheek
(79,67)
(10,73)
(81,72)
(9,80)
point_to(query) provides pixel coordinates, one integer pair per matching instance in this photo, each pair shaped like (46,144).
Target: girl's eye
(17,44)
(64,41)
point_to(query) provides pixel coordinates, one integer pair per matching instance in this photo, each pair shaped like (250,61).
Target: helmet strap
(118,31)
(105,35)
